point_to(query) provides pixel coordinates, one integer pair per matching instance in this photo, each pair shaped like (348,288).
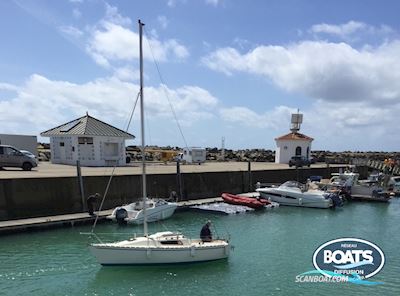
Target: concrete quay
(52,190)
(49,170)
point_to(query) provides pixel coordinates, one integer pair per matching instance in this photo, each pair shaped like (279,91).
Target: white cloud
(320,70)
(173,3)
(190,103)
(76,13)
(270,119)
(212,2)
(340,30)
(352,30)
(8,87)
(41,103)
(163,21)
(71,31)
(113,16)
(113,42)
(126,74)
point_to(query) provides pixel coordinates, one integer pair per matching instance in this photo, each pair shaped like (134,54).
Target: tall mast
(144,189)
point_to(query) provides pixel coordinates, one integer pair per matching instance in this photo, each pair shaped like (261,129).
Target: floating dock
(70,220)
(221,208)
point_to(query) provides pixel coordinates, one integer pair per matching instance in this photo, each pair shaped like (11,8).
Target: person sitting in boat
(205,233)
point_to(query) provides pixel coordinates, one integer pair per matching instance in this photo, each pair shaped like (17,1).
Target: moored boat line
(69,220)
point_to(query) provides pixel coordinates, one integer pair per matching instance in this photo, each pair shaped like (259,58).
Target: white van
(12,157)
(192,155)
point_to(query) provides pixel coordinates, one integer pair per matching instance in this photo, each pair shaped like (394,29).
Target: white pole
(142,129)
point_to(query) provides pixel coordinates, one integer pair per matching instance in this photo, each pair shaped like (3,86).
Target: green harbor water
(271,248)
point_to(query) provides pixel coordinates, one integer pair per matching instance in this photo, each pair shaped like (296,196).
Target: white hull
(300,202)
(147,251)
(293,196)
(159,213)
(155,211)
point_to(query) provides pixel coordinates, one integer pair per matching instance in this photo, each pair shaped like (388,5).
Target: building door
(298,150)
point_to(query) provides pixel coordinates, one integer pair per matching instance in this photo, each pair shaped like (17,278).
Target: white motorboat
(161,247)
(292,193)
(133,213)
(368,190)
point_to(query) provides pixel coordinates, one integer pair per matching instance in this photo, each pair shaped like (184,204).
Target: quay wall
(37,197)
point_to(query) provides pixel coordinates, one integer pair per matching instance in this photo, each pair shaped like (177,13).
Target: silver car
(12,157)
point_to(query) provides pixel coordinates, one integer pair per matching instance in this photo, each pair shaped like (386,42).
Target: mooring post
(80,183)
(249,175)
(179,178)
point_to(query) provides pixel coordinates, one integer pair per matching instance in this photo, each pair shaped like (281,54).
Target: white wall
(194,155)
(104,151)
(285,149)
(20,142)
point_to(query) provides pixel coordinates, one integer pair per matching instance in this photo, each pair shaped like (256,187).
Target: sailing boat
(162,247)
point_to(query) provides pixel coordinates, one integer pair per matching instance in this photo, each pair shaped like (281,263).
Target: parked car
(28,153)
(299,161)
(12,157)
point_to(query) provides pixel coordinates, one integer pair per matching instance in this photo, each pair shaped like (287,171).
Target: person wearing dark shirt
(205,233)
(90,203)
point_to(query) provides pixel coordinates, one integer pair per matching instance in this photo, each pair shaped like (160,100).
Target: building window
(85,140)
(298,150)
(62,144)
(110,149)
(285,147)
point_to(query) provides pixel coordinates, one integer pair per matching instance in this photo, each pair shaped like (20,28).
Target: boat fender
(300,201)
(226,250)
(148,253)
(192,251)
(120,215)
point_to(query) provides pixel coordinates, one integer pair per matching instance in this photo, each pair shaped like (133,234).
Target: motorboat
(292,193)
(133,213)
(251,202)
(371,189)
(161,247)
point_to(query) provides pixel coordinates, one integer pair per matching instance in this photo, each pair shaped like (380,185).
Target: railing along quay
(378,165)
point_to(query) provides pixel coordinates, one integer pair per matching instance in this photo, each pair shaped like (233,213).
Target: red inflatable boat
(244,201)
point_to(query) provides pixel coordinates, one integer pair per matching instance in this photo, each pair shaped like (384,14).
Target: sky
(213,69)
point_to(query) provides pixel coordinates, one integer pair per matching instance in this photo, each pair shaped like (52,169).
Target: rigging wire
(165,91)
(133,111)
(113,170)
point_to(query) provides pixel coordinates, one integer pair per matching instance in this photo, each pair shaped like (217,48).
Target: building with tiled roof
(293,143)
(89,140)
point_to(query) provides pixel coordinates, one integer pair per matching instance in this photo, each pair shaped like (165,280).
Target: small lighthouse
(293,143)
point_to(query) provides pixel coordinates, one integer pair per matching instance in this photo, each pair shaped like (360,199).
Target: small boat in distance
(133,213)
(250,202)
(292,193)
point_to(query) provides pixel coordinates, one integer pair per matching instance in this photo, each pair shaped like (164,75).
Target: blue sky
(232,69)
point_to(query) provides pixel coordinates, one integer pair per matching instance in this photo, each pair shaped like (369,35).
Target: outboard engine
(336,200)
(120,216)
